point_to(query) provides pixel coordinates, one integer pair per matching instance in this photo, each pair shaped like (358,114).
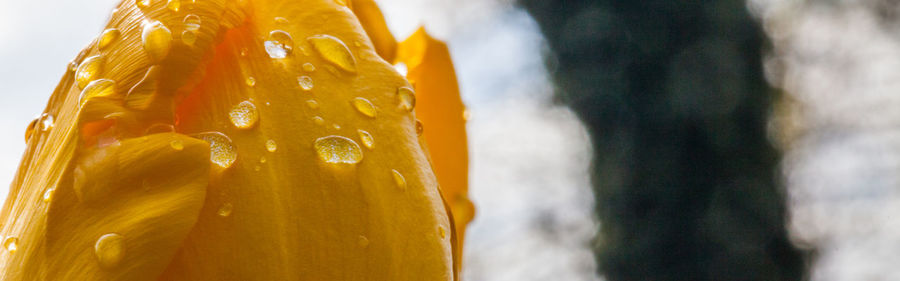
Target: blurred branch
(673,95)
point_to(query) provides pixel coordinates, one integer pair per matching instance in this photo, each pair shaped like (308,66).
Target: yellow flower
(244,140)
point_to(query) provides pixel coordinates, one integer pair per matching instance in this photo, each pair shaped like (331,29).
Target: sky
(529,158)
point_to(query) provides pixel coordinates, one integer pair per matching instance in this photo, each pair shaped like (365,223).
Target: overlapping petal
(201,154)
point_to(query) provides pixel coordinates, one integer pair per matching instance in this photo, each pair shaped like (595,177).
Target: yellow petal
(373,22)
(259,201)
(439,107)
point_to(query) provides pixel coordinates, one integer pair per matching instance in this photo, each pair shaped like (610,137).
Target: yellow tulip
(244,140)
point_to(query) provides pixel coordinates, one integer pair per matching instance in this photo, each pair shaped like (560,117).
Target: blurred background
(628,140)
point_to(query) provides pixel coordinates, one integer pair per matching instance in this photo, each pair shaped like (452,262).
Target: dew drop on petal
(335,126)
(89,70)
(271,146)
(159,128)
(108,36)
(110,250)
(250,81)
(364,106)
(420,128)
(262,159)
(72,66)
(48,194)
(305,82)
(225,210)
(442,232)
(362,241)
(98,88)
(281,20)
(189,37)
(309,67)
(338,150)
(191,22)
(177,144)
(29,131)
(399,180)
(244,115)
(341,2)
(312,104)
(406,98)
(334,51)
(279,44)
(367,140)
(221,150)
(157,40)
(318,120)
(466,115)
(11,244)
(244,52)
(47,122)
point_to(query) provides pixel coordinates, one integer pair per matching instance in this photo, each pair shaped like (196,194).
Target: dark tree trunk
(673,95)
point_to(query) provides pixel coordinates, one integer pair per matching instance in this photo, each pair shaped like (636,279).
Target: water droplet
(262,159)
(110,250)
(250,81)
(406,97)
(191,22)
(420,129)
(271,146)
(309,67)
(366,139)
(318,120)
(48,194)
(189,37)
(244,115)
(341,2)
(279,44)
(157,40)
(30,129)
(177,144)
(362,241)
(466,114)
(108,36)
(221,150)
(174,5)
(72,66)
(281,20)
(338,149)
(159,128)
(334,51)
(98,88)
(142,4)
(399,180)
(89,70)
(305,82)
(225,210)
(442,232)
(47,122)
(257,168)
(244,52)
(11,244)
(335,126)
(312,104)
(364,106)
